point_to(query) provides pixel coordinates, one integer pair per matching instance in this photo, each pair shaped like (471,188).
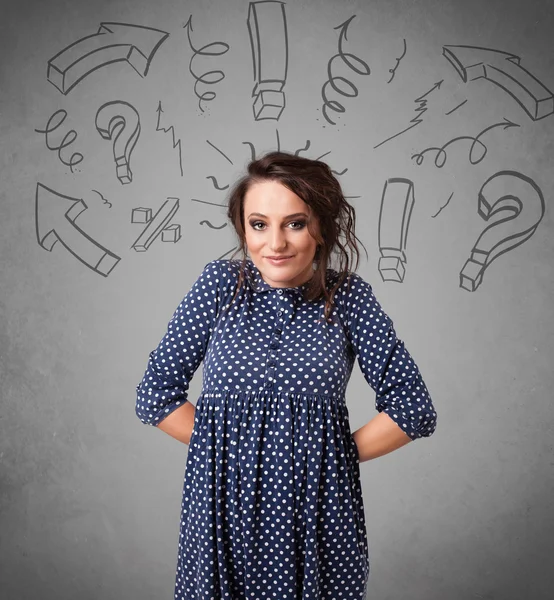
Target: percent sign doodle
(120,122)
(397,203)
(522,199)
(267,26)
(156,225)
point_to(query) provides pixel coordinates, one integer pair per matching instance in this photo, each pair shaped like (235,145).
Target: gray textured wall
(461,248)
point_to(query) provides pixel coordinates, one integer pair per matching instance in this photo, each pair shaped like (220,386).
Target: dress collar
(259,285)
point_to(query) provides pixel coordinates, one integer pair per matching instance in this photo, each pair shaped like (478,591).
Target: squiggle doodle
(474,158)
(216,185)
(421,110)
(176,144)
(209,77)
(67,140)
(105,200)
(443,206)
(350,60)
(206,222)
(393,70)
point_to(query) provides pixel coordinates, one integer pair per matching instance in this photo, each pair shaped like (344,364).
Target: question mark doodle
(397,203)
(523,200)
(120,122)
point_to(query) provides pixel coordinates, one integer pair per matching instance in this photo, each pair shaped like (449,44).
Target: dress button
(280,292)
(279,313)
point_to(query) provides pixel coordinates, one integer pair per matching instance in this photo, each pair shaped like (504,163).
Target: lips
(278,257)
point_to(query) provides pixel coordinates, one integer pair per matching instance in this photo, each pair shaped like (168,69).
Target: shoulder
(222,273)
(353,293)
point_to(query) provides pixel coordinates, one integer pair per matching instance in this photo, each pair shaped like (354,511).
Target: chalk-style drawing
(393,70)
(206,222)
(55,121)
(252,149)
(420,110)
(267,27)
(120,122)
(216,185)
(220,151)
(112,43)
(209,77)
(504,70)
(456,107)
(55,216)
(443,206)
(157,225)
(106,201)
(176,144)
(397,203)
(348,89)
(506,192)
(210,203)
(476,144)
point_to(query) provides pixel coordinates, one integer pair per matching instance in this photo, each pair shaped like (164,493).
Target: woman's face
(275,222)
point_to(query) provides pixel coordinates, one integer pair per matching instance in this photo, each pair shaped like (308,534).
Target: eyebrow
(257,214)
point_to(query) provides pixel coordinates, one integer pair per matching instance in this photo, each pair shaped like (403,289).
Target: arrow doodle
(420,110)
(55,216)
(474,158)
(113,42)
(176,144)
(504,70)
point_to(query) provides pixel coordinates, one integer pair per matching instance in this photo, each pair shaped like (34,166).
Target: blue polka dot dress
(272,502)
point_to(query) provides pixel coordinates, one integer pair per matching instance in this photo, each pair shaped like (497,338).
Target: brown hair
(315,184)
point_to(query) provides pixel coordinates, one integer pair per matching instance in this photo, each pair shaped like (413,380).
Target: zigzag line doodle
(350,60)
(393,70)
(176,144)
(209,77)
(441,156)
(421,110)
(76,158)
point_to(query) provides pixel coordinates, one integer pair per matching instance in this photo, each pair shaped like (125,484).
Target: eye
(254,224)
(301,224)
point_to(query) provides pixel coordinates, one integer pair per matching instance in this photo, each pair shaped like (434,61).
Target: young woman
(272,504)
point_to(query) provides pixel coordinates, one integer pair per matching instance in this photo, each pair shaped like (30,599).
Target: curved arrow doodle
(113,42)
(504,192)
(502,69)
(209,77)
(120,122)
(350,60)
(474,158)
(55,216)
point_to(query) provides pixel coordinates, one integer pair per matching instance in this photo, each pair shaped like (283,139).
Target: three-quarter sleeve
(173,363)
(386,364)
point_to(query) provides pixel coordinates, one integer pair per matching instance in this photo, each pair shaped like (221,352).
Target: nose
(277,240)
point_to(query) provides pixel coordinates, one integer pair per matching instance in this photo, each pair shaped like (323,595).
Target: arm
(162,394)
(406,411)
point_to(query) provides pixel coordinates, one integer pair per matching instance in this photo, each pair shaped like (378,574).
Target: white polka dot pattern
(272,502)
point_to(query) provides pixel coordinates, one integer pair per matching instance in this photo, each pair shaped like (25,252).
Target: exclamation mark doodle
(267,25)
(397,203)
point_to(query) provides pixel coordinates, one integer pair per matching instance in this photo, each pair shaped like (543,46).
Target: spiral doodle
(349,90)
(209,77)
(76,158)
